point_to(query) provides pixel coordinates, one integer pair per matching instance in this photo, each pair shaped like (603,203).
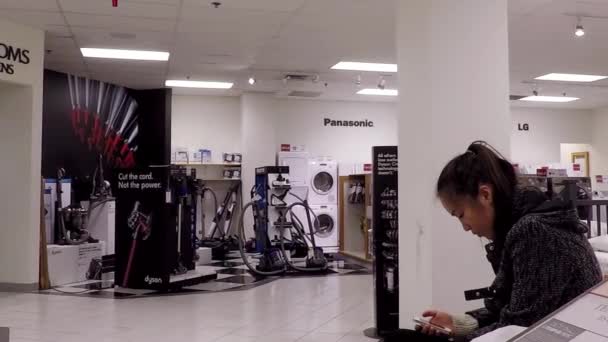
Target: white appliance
(323,181)
(102,221)
(298,166)
(327,233)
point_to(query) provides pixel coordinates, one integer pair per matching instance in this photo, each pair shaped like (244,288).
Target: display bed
(598,230)
(229,274)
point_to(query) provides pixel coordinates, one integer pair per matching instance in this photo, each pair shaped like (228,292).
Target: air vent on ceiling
(299,93)
(297,77)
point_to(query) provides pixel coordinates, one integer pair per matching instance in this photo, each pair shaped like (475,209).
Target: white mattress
(602,258)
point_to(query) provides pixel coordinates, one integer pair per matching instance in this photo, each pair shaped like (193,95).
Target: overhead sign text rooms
(347,123)
(10,55)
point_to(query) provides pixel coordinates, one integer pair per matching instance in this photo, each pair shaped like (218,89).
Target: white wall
(212,122)
(227,123)
(599,156)
(20,151)
(437,119)
(301,122)
(548,129)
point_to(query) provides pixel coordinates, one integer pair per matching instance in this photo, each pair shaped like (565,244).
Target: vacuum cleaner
(269,202)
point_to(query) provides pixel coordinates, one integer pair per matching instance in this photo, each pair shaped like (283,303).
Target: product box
(69,264)
(180,155)
(232,158)
(201,156)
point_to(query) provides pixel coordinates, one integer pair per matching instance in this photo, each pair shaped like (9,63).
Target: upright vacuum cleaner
(182,192)
(220,239)
(275,242)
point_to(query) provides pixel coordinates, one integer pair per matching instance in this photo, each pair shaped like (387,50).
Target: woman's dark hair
(481,164)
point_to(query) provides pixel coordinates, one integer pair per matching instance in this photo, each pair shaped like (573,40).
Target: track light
(252,81)
(358,80)
(580,30)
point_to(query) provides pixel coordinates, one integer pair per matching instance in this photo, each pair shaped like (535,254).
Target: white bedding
(602,258)
(500,335)
(593,228)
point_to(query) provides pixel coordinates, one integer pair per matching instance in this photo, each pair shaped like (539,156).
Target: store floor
(227,274)
(319,309)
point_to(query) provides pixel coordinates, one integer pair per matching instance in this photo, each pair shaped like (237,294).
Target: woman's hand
(442,319)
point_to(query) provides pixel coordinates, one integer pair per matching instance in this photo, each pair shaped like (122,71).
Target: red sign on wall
(285,147)
(576,167)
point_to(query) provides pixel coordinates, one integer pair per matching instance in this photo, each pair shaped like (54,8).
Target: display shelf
(221,179)
(354,218)
(208,164)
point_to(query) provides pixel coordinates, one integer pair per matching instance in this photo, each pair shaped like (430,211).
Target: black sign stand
(144,225)
(385,244)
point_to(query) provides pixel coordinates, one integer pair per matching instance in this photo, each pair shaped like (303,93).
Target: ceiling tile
(39,5)
(240,22)
(165,2)
(125,8)
(39,19)
(119,24)
(58,31)
(257,5)
(140,40)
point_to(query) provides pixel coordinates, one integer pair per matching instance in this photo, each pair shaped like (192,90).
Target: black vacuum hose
(241,238)
(287,259)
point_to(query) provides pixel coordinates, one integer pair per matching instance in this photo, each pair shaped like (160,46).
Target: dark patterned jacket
(546,262)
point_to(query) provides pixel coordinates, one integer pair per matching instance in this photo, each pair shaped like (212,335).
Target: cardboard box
(69,264)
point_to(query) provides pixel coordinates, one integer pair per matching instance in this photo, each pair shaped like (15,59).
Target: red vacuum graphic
(140,224)
(111,127)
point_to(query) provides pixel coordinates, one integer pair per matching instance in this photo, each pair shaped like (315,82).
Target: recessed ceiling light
(198,84)
(376,91)
(570,77)
(549,99)
(359,66)
(126,54)
(252,80)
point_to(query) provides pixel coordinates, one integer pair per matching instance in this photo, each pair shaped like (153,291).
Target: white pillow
(599,243)
(500,335)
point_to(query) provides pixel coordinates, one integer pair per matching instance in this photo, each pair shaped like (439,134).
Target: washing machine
(298,167)
(327,232)
(323,182)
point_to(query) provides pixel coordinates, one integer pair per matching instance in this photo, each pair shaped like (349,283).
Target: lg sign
(9,55)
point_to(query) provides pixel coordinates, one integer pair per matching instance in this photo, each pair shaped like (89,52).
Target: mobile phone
(422,322)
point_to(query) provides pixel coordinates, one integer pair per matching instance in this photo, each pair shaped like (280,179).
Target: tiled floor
(318,309)
(219,275)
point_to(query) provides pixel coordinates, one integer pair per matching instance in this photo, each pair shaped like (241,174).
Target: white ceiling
(268,38)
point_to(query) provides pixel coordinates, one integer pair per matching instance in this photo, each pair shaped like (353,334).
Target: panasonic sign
(347,123)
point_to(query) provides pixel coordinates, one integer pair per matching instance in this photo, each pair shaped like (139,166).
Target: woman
(539,251)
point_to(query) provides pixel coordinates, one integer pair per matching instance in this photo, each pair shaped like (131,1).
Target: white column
(258,139)
(20,157)
(454,87)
